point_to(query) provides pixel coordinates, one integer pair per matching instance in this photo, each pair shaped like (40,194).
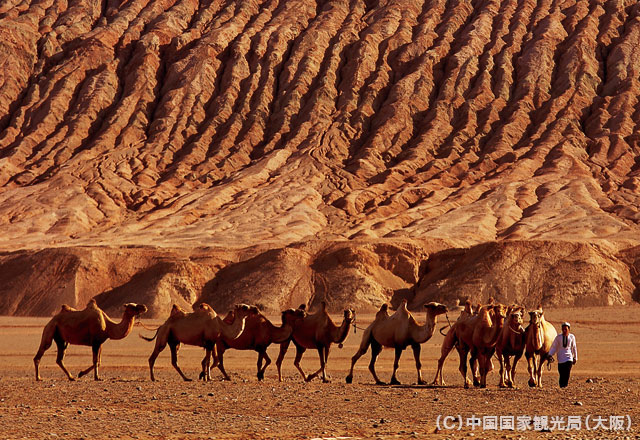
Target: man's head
(565,328)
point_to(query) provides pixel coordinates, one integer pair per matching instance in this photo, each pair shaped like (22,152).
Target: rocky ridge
(359,151)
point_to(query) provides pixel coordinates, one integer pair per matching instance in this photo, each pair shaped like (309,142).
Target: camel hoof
(422,382)
(186,379)
(348,379)
(379,382)
(260,376)
(72,379)
(466,385)
(326,380)
(532,383)
(394,381)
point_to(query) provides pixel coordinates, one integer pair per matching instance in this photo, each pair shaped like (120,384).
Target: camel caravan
(479,334)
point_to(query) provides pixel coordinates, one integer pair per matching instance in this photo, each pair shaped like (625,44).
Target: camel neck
(233,330)
(425,331)
(280,334)
(121,329)
(494,333)
(340,333)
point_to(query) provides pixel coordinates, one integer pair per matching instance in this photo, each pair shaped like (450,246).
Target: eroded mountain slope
(239,123)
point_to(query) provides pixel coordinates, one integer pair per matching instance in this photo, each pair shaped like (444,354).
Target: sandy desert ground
(127,405)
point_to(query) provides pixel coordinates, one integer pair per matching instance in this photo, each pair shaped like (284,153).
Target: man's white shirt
(565,354)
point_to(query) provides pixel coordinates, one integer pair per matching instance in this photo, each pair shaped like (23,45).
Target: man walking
(565,345)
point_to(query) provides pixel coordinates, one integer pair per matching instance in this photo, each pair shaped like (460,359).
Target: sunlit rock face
(298,151)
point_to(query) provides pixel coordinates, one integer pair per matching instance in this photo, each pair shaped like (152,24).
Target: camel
(91,327)
(317,331)
(476,334)
(451,341)
(511,343)
(202,328)
(539,337)
(258,334)
(399,331)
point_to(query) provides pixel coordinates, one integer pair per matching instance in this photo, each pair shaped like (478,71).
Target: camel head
(132,309)
(514,320)
(349,315)
(436,309)
(535,317)
(499,311)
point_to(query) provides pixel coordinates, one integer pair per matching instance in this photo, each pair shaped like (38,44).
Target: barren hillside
(285,151)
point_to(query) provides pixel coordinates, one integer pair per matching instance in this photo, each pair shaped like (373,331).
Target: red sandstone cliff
(350,150)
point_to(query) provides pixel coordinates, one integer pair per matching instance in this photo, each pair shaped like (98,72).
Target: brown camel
(258,334)
(317,331)
(202,328)
(451,341)
(91,327)
(539,337)
(399,331)
(510,344)
(476,334)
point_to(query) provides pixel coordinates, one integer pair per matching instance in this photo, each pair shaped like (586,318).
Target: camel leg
(97,352)
(438,380)
(323,362)
(325,376)
(44,346)
(376,348)
(361,351)
(512,375)
(444,352)
(283,351)
(474,367)
(152,359)
(463,366)
(416,354)
(96,360)
(484,363)
(221,364)
(502,360)
(447,345)
(210,352)
(174,347)
(396,363)
(299,352)
(539,372)
(267,361)
(507,380)
(531,366)
(87,371)
(62,346)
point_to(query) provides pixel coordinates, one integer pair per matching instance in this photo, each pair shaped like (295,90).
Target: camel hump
(92,304)
(384,307)
(176,310)
(67,308)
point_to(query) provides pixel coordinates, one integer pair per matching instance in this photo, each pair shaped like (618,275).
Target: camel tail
(147,338)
